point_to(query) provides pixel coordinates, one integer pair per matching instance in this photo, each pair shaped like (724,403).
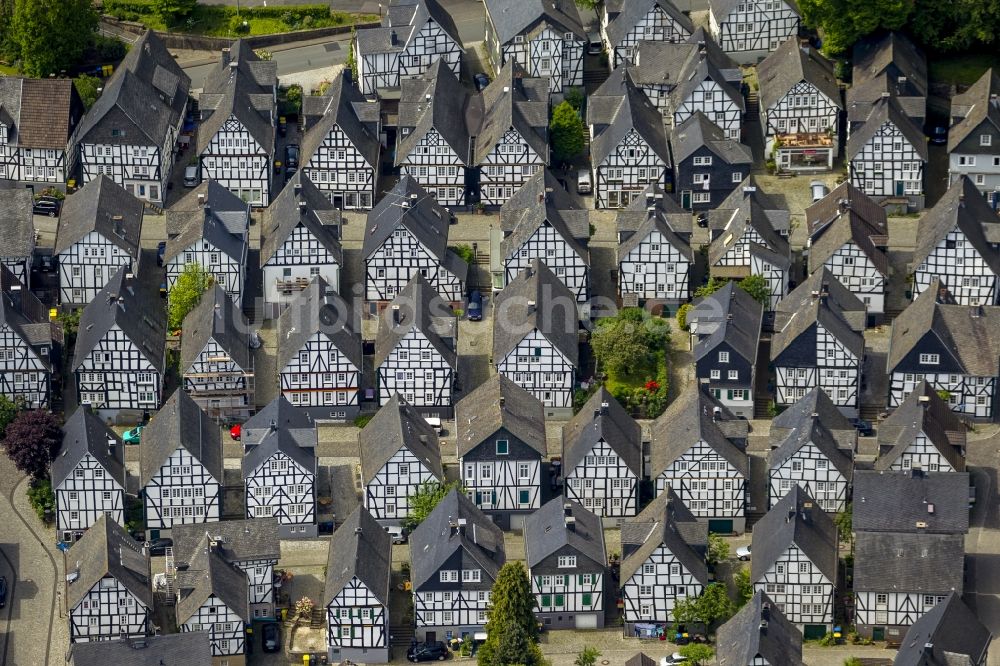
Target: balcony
(806,140)
(293,284)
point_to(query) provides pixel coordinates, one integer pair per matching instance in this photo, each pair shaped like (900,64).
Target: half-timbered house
(279,413)
(407,235)
(319,354)
(947,632)
(301,231)
(819,341)
(536,338)
(251,545)
(565,553)
(974,137)
(953,347)
(626,25)
(188,648)
(500,438)
(957,242)
(30,345)
(628,144)
(416,350)
(131,132)
(887,64)
(414,34)
(455,554)
(356,596)
(88,476)
(342,144)
(434,143)
(546,38)
(120,356)
(728,325)
(887,155)
(108,580)
(17,247)
(511,143)
(602,458)
(698,452)
(759,635)
(236,139)
(98,233)
(800,106)
(922,433)
(848,235)
(774,207)
(749,29)
(400,454)
(279,477)
(707,165)
(663,561)
(212,230)
(180,467)
(795,561)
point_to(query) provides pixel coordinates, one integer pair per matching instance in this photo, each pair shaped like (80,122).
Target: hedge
(116,7)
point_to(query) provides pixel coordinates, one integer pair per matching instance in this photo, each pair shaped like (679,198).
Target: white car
(583,185)
(673,660)
(743,552)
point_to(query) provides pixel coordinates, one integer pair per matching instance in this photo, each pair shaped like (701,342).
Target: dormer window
(984,140)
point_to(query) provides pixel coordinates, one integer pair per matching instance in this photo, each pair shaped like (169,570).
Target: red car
(235,431)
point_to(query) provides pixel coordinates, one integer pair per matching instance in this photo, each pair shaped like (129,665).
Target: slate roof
(106,549)
(216,318)
(529,215)
(665,522)
(545,532)
(207,575)
(913,563)
(405,18)
(790,64)
(544,186)
(318,309)
(223,220)
(160,650)
(236,540)
(774,206)
(640,659)
(435,100)
(180,423)
(875,54)
(975,106)
(85,433)
(883,110)
(300,202)
(723,8)
(846,200)
(898,501)
(637,214)
(626,16)
(96,207)
(602,417)
(360,549)
(745,636)
(739,317)
(690,419)
(130,305)
(968,334)
(839,298)
(922,411)
(516,17)
(618,107)
(964,208)
(343,106)
(815,404)
(800,310)
(42,113)
(844,216)
(278,441)
(26,315)
(284,415)
(499,403)
(18,223)
(796,520)
(512,101)
(750,212)
(655,221)
(811,430)
(697,132)
(433,318)
(395,426)
(942,633)
(536,299)
(242,86)
(435,540)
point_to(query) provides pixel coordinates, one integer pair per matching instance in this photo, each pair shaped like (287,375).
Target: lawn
(962,69)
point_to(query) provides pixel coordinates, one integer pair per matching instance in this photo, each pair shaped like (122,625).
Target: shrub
(362,420)
(682,313)
(42,499)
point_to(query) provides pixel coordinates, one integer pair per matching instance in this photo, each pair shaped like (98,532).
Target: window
(985,139)
(703,161)
(723,357)
(715,374)
(734,374)
(503,447)
(471,575)
(567,561)
(930,359)
(449,575)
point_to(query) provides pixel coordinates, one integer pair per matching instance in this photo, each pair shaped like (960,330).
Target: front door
(899,188)
(878,633)
(686,199)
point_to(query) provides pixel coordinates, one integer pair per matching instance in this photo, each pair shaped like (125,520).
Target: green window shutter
(587,598)
(579,579)
(729,395)
(546,600)
(566,579)
(560,601)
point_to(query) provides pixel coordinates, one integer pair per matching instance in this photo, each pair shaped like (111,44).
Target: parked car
(475,310)
(397,533)
(270,637)
(133,436)
(46,206)
(158,547)
(161,252)
(583,183)
(594,45)
(939,136)
(434,651)
(3,591)
(819,190)
(282,126)
(481,81)
(235,432)
(48,262)
(292,156)
(673,660)
(191,178)
(743,552)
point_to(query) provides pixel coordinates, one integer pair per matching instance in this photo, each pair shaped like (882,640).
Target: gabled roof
(637,213)
(160,650)
(106,549)
(318,309)
(839,298)
(300,202)
(435,100)
(723,8)
(535,213)
(796,520)
(18,224)
(512,101)
(602,417)
(975,106)
(499,403)
(281,441)
(455,523)
(242,86)
(696,416)
(945,634)
(547,531)
(545,187)
(911,501)
(626,16)
(396,426)
(42,113)
(216,318)
(536,299)
(26,315)
(844,216)
(846,200)
(815,405)
(404,19)
(618,107)
(419,307)
(683,67)
(774,205)
(360,549)
(236,540)
(516,17)
(105,207)
(759,629)
(908,563)
(640,659)
(665,522)
(828,307)
(180,423)
(922,411)
(282,414)
(85,433)
(750,213)
(130,305)
(655,220)
(861,97)
(790,64)
(343,106)
(886,110)
(697,132)
(207,575)
(964,208)
(739,317)
(217,216)
(874,56)
(810,430)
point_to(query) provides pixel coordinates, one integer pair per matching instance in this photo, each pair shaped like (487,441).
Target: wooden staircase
(761,405)
(753,106)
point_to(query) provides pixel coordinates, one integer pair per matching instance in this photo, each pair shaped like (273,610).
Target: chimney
(119,225)
(716,413)
(567,509)
(961,199)
(995,100)
(358,530)
(303,207)
(201,198)
(226,53)
(395,315)
(885,94)
(930,509)
(571,523)
(807,511)
(208,212)
(297,189)
(393,39)
(502,401)
(541,197)
(121,303)
(604,408)
(597,412)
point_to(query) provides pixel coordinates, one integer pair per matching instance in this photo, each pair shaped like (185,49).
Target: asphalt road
(982,545)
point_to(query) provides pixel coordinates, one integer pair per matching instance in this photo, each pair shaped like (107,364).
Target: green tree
(744,587)
(757,287)
(628,341)
(42,499)
(718,549)
(844,520)
(713,606)
(957,25)
(423,502)
(567,133)
(713,285)
(466,252)
(51,35)
(511,628)
(587,657)
(587,4)
(843,22)
(352,64)
(852,661)
(682,316)
(576,97)
(173,11)
(186,292)
(86,86)
(32,440)
(8,410)
(697,653)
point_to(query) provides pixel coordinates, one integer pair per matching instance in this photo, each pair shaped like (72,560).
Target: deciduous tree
(744,587)
(86,87)
(172,11)
(587,657)
(697,653)
(713,606)
(567,133)
(718,549)
(8,411)
(51,35)
(511,628)
(757,287)
(843,22)
(627,342)
(424,500)
(32,440)
(186,293)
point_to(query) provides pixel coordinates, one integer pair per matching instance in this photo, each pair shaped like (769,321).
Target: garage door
(814,631)
(720,526)
(586,620)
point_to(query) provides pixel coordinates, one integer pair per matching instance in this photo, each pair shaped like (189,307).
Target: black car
(475,310)
(159,546)
(161,251)
(292,156)
(46,206)
(270,637)
(3,591)
(434,651)
(939,136)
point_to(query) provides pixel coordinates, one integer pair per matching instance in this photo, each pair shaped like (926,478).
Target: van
(191,176)
(594,44)
(397,533)
(583,184)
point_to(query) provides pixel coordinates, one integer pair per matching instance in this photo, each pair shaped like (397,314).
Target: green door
(720,526)
(814,631)
(899,188)
(686,199)
(878,633)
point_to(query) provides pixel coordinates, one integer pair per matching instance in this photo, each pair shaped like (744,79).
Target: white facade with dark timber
(30,345)
(749,29)
(625,25)
(922,433)
(888,154)
(974,136)
(279,475)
